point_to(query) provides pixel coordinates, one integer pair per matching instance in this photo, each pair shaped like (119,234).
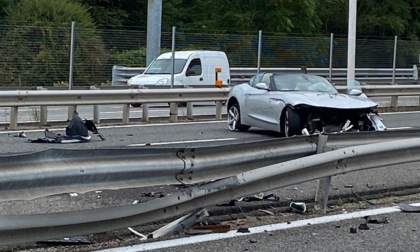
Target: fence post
(259,51)
(331,54)
(394,99)
(323,185)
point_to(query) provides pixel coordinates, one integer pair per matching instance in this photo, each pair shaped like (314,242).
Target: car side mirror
(355,92)
(262,86)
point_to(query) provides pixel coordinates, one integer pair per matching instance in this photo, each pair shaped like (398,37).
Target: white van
(192,68)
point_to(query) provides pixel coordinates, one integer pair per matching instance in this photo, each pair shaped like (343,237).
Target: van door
(194,73)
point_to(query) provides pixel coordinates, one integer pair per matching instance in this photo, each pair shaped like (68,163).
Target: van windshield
(164,66)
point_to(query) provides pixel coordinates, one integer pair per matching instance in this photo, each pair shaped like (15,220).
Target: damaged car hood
(326,100)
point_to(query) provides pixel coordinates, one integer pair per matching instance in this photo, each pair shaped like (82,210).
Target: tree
(35,45)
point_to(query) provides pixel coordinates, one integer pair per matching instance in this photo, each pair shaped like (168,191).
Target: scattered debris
(74,194)
(361,198)
(353,230)
(253,241)
(180,224)
(21,134)
(240,222)
(291,188)
(364,226)
(408,208)
(230,203)
(218,228)
(259,197)
(348,186)
(242,230)
(77,131)
(143,237)
(136,202)
(298,207)
(266,211)
(153,194)
(369,186)
(383,220)
(68,241)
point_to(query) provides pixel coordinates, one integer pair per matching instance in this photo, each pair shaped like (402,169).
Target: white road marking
(181,142)
(255,230)
(403,112)
(399,128)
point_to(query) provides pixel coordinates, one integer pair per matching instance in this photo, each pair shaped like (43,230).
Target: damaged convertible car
(296,104)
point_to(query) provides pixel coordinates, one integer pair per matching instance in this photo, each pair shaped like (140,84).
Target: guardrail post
(43,111)
(96,118)
(173,112)
(323,185)
(190,111)
(126,114)
(219,106)
(145,114)
(13,117)
(70,111)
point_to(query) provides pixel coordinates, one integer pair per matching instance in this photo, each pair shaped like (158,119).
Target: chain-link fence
(40,56)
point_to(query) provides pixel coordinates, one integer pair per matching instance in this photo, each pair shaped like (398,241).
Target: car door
(259,105)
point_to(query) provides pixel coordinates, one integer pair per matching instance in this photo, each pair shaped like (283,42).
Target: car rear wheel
(291,122)
(234,119)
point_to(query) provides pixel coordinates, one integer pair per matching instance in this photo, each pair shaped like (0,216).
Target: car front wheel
(291,122)
(234,119)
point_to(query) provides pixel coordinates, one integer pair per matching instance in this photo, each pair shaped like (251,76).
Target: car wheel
(291,122)
(234,119)
(136,105)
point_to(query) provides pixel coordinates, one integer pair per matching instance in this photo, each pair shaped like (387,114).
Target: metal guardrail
(121,74)
(73,98)
(261,177)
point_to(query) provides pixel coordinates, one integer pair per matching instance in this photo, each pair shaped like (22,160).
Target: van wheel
(234,119)
(136,105)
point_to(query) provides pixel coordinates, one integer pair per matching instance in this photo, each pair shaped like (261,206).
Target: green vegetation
(36,34)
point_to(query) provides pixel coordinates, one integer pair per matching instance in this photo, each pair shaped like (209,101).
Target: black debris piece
(298,207)
(230,203)
(243,230)
(353,230)
(363,226)
(68,241)
(383,220)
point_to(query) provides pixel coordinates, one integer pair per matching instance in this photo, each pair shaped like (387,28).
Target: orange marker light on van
(219,83)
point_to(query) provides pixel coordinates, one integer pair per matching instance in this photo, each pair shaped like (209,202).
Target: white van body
(192,68)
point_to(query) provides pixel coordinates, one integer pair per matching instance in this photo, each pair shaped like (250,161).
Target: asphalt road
(313,238)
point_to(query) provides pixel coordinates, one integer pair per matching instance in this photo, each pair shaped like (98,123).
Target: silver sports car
(296,104)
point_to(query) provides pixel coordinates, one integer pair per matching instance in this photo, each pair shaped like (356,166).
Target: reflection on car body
(300,104)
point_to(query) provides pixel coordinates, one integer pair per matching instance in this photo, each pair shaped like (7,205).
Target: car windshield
(302,82)
(164,66)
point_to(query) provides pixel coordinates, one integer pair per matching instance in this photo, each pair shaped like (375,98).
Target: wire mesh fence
(40,56)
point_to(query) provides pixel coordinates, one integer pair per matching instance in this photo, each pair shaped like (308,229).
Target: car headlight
(162,82)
